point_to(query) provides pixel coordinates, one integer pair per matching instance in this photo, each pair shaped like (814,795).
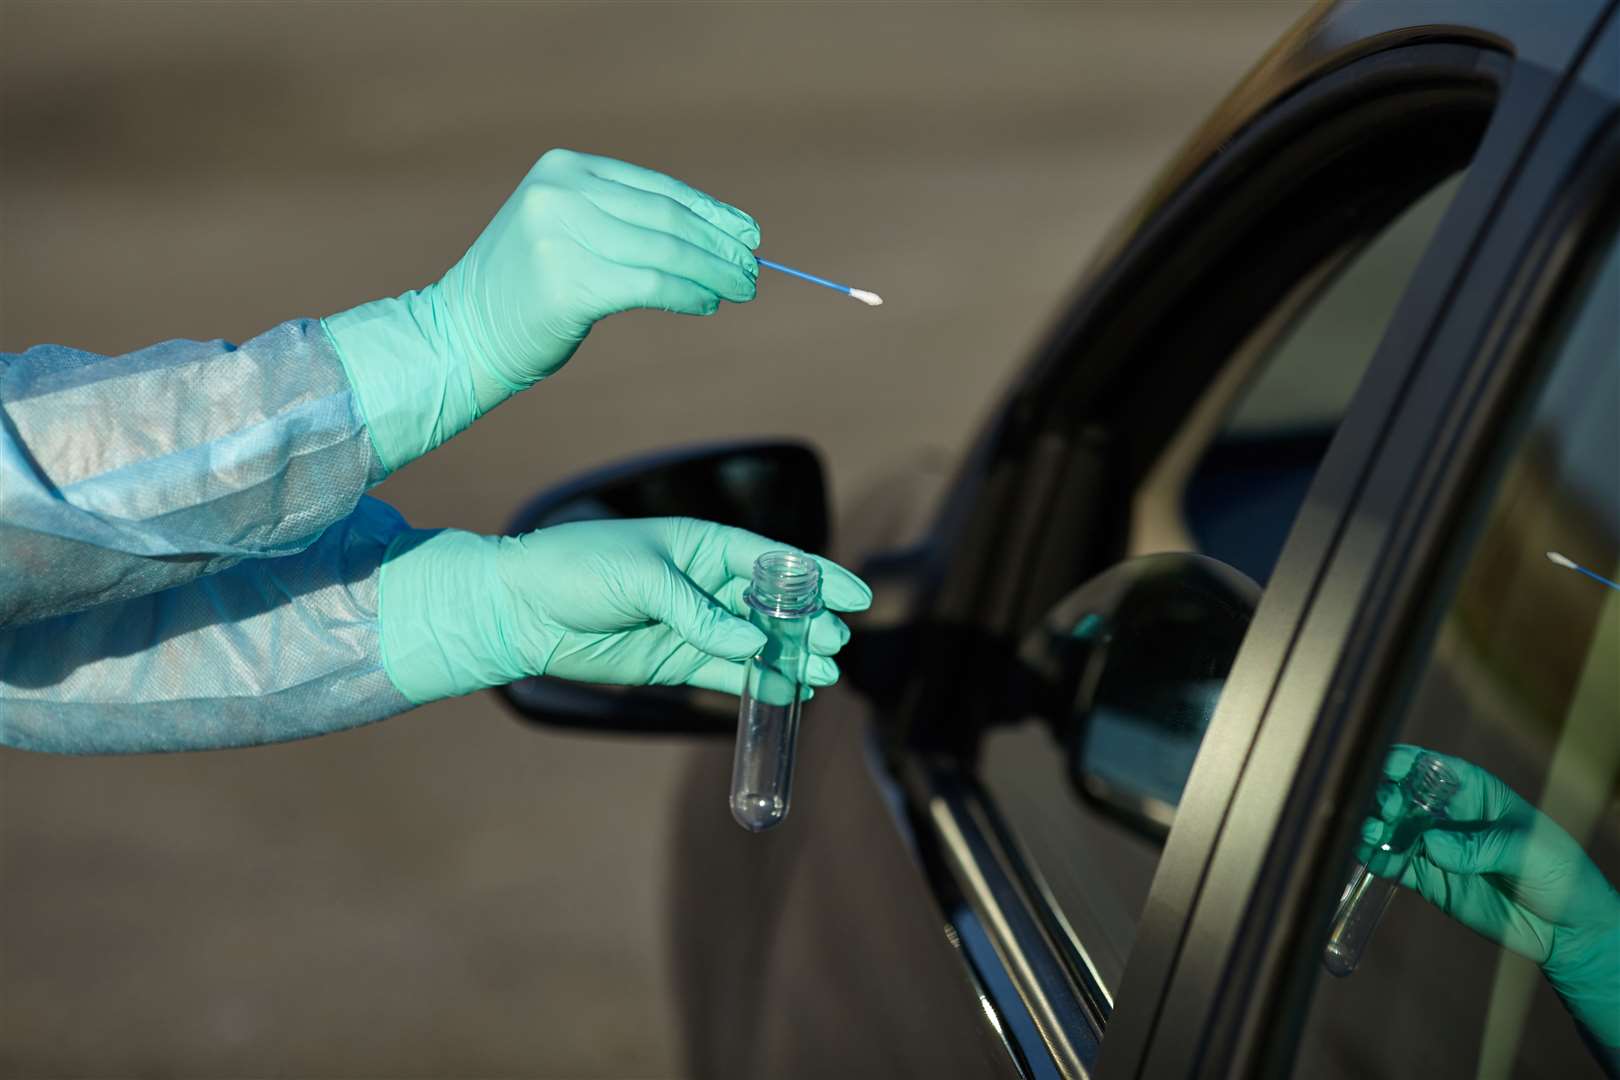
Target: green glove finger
(840,589)
(1389,801)
(1372,834)
(736,223)
(1398,762)
(626,288)
(822,671)
(722,676)
(828,633)
(727,677)
(663,214)
(632,245)
(700,620)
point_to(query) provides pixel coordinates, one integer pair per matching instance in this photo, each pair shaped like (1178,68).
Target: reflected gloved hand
(581,238)
(1504,869)
(654,601)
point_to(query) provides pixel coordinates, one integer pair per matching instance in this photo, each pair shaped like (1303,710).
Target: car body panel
(815,950)
(829,948)
(1335,34)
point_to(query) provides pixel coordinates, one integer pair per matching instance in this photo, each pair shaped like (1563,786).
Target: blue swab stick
(870,299)
(1570,564)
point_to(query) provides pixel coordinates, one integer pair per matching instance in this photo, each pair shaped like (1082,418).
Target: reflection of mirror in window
(1228,485)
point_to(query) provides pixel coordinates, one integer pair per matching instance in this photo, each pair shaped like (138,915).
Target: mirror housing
(1130,666)
(774,488)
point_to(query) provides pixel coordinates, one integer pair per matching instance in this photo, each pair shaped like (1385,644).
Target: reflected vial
(783,597)
(1424,790)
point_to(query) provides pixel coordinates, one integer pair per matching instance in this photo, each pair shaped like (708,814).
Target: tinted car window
(1246,477)
(1518,695)
(1249,482)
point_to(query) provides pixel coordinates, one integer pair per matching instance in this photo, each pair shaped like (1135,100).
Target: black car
(1277,492)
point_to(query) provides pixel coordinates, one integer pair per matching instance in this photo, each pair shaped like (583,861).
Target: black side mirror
(773,488)
(1129,668)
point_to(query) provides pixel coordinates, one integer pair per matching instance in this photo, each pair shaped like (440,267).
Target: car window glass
(1509,887)
(1085,799)
(1249,482)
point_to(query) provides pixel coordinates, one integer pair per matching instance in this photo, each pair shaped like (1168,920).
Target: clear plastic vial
(1424,791)
(782,599)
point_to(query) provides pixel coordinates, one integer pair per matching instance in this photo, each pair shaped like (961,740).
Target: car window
(1228,485)
(1241,497)
(1507,869)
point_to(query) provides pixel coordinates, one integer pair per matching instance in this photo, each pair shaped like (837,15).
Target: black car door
(951,902)
(1450,626)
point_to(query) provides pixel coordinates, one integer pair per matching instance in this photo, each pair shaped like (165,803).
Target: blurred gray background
(449,893)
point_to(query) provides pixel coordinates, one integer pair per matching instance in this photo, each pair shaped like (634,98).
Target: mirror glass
(774,489)
(1130,667)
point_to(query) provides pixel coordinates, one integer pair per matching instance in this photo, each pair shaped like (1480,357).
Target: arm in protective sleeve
(124,475)
(265,651)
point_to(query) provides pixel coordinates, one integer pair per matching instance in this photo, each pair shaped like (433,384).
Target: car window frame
(1021,464)
(1235,1000)
(1590,218)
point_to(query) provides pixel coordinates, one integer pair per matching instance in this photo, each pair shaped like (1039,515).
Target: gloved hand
(641,602)
(1505,870)
(581,238)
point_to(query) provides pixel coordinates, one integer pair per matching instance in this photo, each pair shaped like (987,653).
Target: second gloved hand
(581,238)
(655,601)
(1507,871)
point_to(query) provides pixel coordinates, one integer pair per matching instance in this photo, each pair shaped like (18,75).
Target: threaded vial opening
(785,583)
(1430,783)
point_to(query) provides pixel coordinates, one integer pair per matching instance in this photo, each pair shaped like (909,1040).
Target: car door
(1451,628)
(947,903)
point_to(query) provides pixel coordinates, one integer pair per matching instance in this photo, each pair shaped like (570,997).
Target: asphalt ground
(450,893)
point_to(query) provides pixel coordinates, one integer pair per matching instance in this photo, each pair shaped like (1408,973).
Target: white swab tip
(1554,557)
(870,299)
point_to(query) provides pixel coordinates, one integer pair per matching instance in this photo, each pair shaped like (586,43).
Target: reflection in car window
(1250,481)
(1094,867)
(1507,924)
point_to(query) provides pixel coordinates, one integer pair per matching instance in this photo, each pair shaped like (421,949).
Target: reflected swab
(1570,564)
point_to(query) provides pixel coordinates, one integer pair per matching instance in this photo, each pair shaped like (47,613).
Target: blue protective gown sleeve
(124,475)
(263,651)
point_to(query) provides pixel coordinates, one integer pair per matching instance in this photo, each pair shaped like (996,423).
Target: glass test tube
(784,596)
(1424,790)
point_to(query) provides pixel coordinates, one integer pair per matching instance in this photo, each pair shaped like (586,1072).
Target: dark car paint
(823,951)
(815,950)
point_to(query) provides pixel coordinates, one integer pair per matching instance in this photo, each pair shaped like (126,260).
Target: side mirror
(1129,668)
(773,488)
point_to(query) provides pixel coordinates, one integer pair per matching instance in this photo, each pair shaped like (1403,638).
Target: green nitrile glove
(1505,870)
(653,601)
(581,238)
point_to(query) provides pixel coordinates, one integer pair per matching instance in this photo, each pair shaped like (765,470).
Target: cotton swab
(1571,564)
(870,299)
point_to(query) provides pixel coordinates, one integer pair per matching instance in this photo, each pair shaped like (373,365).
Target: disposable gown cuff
(413,393)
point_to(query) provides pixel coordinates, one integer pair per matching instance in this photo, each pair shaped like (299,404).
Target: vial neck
(786,585)
(1429,786)
(773,607)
